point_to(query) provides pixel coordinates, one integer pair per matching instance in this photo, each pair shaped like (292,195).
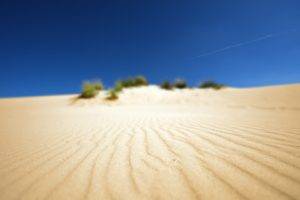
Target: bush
(166,85)
(211,84)
(140,81)
(134,82)
(98,85)
(180,84)
(118,86)
(89,90)
(112,95)
(127,82)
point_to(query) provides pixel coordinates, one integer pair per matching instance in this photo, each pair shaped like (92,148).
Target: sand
(153,144)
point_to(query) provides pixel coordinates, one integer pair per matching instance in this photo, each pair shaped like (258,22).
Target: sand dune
(153,144)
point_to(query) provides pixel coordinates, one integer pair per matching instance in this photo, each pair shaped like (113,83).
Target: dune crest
(153,144)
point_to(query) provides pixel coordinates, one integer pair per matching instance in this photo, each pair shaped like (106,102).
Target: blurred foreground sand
(153,144)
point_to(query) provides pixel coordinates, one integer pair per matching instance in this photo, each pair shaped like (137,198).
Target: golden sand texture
(153,144)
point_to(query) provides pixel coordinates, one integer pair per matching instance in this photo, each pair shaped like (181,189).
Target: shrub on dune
(134,82)
(180,84)
(98,85)
(88,90)
(118,86)
(126,83)
(166,85)
(112,95)
(140,81)
(211,84)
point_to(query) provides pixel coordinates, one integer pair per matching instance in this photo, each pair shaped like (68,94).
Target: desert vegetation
(180,84)
(211,84)
(133,82)
(90,89)
(112,95)
(118,86)
(166,85)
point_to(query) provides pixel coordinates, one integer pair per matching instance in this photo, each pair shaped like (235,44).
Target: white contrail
(242,44)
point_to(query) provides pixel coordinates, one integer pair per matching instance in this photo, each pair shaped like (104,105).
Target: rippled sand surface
(153,144)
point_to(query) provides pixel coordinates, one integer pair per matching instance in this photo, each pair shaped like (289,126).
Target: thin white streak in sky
(242,44)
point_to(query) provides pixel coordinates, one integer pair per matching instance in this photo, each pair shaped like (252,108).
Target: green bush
(140,81)
(112,95)
(133,82)
(166,85)
(180,84)
(211,84)
(89,90)
(98,85)
(118,86)
(127,82)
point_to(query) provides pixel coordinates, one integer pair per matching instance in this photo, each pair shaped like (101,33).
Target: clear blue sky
(51,46)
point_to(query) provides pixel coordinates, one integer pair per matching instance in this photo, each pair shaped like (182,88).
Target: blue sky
(50,47)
